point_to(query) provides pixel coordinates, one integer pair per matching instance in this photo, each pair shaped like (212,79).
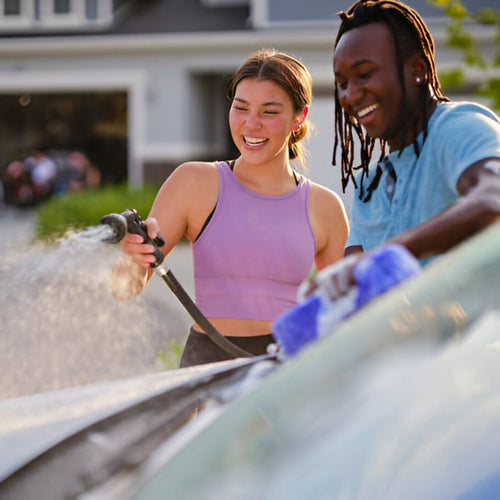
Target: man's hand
(335,280)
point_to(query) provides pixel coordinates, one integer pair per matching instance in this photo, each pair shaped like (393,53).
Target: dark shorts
(200,349)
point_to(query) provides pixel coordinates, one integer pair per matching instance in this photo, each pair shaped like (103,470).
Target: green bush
(78,211)
(460,37)
(171,357)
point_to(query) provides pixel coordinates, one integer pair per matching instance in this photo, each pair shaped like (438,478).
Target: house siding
(175,80)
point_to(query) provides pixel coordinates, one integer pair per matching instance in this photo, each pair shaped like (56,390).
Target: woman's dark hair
(291,75)
(411,36)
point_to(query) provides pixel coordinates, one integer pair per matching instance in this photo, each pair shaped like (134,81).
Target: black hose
(130,221)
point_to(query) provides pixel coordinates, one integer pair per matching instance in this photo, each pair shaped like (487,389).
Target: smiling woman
(256,226)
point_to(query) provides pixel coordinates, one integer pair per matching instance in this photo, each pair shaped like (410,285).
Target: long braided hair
(411,36)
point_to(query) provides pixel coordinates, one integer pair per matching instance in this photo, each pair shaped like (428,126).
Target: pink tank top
(254,253)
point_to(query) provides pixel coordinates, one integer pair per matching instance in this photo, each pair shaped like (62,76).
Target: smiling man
(437,181)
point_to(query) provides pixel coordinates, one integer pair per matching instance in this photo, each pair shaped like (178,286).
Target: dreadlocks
(411,36)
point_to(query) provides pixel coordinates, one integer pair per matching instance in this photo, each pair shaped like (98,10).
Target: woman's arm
(180,208)
(330,225)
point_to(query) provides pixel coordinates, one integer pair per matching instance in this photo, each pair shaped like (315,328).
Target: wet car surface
(400,401)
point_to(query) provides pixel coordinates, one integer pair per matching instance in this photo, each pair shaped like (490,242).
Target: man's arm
(478,207)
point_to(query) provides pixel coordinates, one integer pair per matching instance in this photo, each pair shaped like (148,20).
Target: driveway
(16,227)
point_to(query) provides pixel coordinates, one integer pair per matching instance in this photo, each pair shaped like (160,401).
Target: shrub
(80,210)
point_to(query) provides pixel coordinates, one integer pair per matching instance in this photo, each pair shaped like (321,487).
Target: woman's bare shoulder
(195,169)
(322,195)
(186,198)
(192,176)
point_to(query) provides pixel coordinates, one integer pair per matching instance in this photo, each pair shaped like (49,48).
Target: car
(399,401)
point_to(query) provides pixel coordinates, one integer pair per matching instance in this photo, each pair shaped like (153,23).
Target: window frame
(44,17)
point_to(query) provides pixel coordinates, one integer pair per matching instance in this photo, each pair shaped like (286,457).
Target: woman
(256,226)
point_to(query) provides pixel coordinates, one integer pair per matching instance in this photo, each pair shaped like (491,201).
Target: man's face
(367,82)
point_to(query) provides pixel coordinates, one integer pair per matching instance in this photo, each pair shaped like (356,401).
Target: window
(62,6)
(91,12)
(12,7)
(20,16)
(225,3)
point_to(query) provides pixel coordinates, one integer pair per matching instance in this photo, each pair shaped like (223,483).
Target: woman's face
(261,119)
(368,85)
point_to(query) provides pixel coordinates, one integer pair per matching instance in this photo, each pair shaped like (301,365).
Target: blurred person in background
(17,188)
(76,173)
(43,172)
(42,175)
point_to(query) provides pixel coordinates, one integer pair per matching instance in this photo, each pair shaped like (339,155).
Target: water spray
(130,221)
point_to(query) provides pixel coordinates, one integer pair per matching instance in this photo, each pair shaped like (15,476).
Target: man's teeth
(367,110)
(254,141)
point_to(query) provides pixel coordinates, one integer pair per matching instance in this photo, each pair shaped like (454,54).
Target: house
(139,85)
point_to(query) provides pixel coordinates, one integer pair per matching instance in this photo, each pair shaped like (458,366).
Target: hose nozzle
(129,220)
(118,223)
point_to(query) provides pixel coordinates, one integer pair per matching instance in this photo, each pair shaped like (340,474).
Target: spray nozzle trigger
(129,220)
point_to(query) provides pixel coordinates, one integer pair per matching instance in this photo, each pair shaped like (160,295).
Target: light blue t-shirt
(459,135)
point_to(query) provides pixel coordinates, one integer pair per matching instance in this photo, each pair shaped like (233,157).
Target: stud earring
(418,80)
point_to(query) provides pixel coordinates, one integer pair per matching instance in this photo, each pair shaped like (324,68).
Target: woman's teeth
(254,141)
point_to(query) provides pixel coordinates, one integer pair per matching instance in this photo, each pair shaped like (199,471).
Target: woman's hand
(133,245)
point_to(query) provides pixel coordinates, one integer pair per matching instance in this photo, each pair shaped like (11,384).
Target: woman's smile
(254,141)
(261,120)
